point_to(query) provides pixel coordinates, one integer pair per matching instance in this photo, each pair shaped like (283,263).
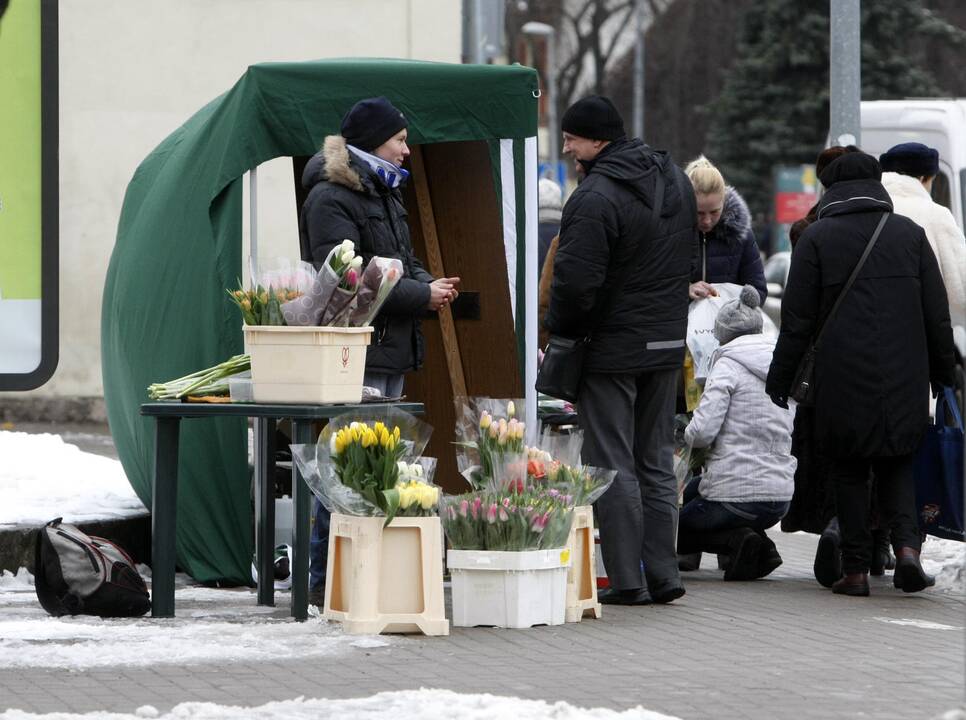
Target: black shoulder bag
(563,361)
(803,388)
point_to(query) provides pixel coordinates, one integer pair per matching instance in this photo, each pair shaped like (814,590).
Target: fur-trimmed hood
(337,165)
(735,219)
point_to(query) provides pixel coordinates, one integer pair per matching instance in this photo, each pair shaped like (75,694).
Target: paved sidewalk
(777,648)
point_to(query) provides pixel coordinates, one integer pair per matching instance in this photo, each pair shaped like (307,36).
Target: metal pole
(552,129)
(845,61)
(638,128)
(478,31)
(253,224)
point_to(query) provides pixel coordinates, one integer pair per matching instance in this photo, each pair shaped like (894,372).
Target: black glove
(780,400)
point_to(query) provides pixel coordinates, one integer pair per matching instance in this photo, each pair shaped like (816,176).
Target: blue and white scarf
(391,175)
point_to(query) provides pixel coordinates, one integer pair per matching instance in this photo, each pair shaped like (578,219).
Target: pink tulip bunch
(484,520)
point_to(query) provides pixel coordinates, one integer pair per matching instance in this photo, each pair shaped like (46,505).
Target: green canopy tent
(179,244)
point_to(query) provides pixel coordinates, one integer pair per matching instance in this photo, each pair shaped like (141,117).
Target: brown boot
(909,576)
(855,584)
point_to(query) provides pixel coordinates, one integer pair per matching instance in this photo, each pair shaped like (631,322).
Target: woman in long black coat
(890,338)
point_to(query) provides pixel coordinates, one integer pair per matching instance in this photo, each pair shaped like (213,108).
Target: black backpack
(76,574)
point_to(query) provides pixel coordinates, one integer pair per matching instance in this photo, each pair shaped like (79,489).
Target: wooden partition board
(470,235)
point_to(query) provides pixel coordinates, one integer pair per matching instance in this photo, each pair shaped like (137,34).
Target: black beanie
(371,122)
(594,118)
(911,158)
(851,166)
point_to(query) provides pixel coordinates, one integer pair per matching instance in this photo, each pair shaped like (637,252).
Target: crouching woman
(748,476)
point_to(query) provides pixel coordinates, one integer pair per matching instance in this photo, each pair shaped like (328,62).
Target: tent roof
(165,312)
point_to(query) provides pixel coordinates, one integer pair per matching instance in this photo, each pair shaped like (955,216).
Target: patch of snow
(420,704)
(213,625)
(954,714)
(924,624)
(946,559)
(20,581)
(42,478)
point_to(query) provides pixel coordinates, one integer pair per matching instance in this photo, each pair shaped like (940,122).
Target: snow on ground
(420,704)
(42,478)
(212,625)
(946,559)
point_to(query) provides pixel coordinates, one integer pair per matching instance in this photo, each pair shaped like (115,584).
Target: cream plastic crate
(582,574)
(386,579)
(307,364)
(508,589)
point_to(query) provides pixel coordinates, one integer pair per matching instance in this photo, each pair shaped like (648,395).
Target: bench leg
(164,508)
(301,506)
(265,509)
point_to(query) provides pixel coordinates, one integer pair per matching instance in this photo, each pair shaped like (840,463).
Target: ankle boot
(882,558)
(909,576)
(854,584)
(768,557)
(745,545)
(828,556)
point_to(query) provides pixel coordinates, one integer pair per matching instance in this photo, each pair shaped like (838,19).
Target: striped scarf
(391,175)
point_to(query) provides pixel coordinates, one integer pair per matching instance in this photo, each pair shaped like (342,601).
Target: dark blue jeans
(318,546)
(699,517)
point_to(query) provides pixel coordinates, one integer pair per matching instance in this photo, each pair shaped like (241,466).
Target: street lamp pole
(550,71)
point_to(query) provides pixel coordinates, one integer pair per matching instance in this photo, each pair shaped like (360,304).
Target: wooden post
(427,220)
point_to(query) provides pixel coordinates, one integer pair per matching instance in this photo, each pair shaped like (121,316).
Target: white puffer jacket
(750,437)
(910,198)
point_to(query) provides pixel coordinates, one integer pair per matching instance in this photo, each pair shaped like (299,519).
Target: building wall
(132,71)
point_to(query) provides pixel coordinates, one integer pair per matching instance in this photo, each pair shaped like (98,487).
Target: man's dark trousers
(628,423)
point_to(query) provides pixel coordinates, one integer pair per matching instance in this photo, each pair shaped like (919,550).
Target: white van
(939,123)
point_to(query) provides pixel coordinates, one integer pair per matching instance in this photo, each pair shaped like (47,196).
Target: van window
(940,191)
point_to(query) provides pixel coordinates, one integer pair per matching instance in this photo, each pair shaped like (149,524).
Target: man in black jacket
(888,340)
(611,234)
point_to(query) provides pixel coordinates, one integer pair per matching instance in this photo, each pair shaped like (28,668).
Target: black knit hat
(911,158)
(851,166)
(371,122)
(595,118)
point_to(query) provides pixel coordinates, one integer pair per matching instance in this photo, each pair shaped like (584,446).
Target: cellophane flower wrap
(418,497)
(487,432)
(333,288)
(354,467)
(378,280)
(555,463)
(536,519)
(278,283)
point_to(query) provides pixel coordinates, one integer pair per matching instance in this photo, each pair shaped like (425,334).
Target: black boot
(854,584)
(689,562)
(768,557)
(882,558)
(909,576)
(744,545)
(828,556)
(635,596)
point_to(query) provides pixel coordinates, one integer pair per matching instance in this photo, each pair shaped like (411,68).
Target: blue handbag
(939,473)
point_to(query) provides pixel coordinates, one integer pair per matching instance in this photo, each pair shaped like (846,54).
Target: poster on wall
(28,193)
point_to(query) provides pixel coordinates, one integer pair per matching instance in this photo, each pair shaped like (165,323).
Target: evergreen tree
(774,108)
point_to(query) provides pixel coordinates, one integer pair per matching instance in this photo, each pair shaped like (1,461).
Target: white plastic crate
(307,364)
(509,589)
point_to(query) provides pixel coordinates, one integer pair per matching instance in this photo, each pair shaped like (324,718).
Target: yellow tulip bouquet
(371,465)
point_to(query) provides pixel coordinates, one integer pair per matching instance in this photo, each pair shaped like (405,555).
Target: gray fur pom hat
(739,317)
